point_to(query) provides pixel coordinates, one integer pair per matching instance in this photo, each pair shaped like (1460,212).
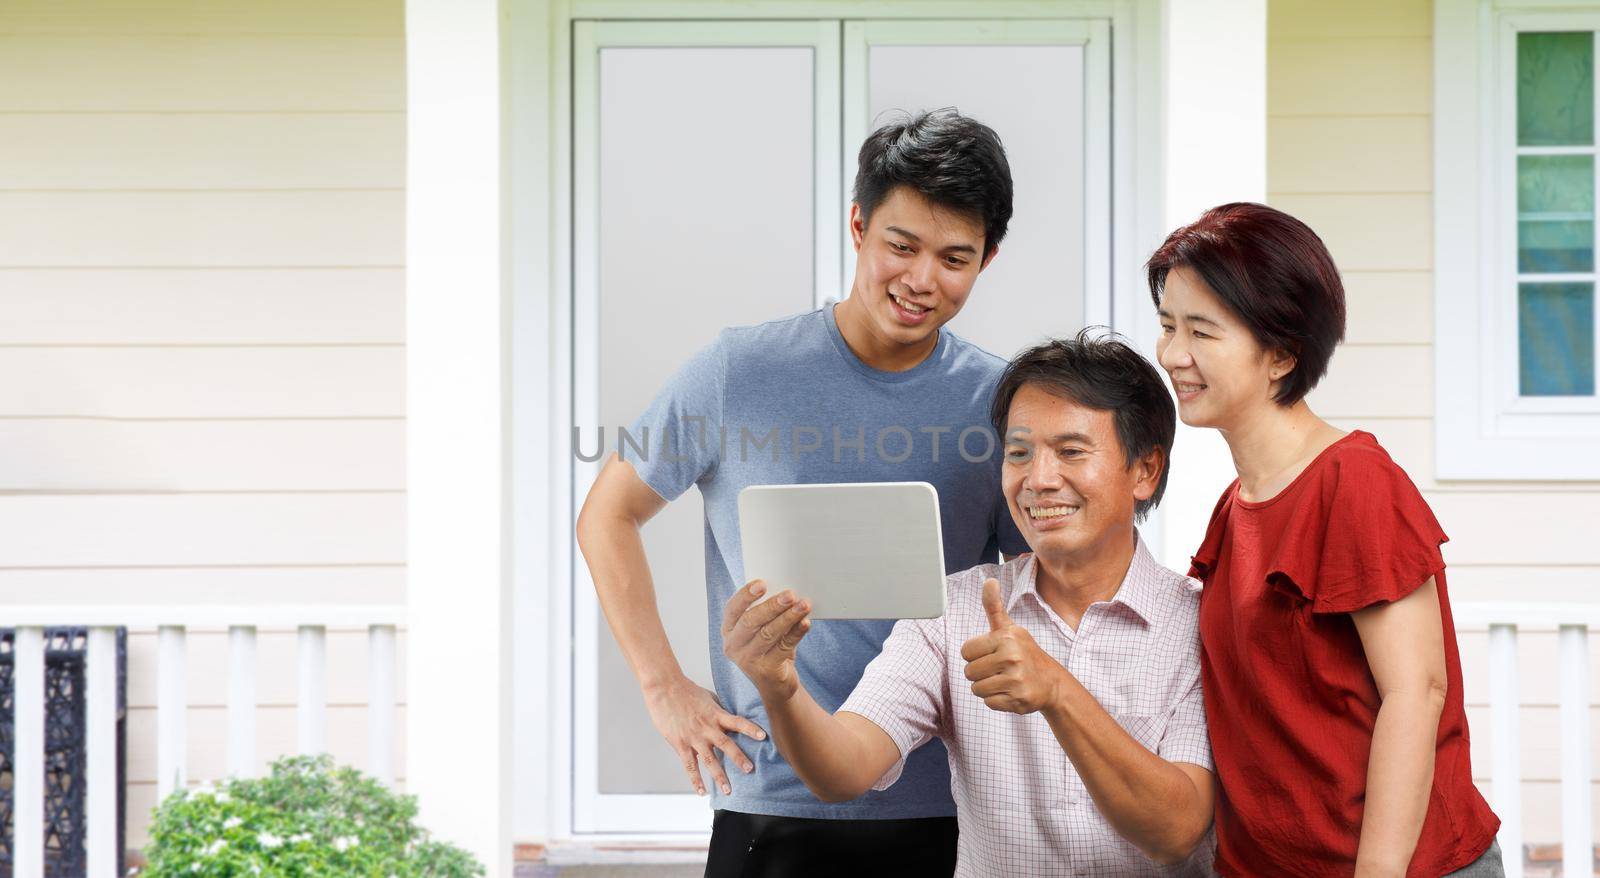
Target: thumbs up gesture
(1007,668)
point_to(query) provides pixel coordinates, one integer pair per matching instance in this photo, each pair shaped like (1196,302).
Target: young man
(869,390)
(1065,683)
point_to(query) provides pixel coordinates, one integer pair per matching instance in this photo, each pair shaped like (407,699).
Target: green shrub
(308,819)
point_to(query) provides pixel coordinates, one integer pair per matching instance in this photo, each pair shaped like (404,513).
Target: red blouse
(1290,701)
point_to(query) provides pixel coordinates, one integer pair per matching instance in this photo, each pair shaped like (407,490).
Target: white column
(1505,707)
(1577,851)
(1216,152)
(100,721)
(242,701)
(27,794)
(172,709)
(311,706)
(458,747)
(380,703)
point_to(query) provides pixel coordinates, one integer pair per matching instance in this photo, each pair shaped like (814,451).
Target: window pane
(1555,213)
(1555,325)
(1555,89)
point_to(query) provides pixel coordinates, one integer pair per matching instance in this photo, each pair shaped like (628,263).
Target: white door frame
(543,553)
(1093,34)
(592,810)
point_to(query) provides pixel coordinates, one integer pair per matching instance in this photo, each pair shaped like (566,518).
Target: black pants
(758,846)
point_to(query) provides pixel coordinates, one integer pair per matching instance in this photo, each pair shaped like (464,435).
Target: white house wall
(1349,151)
(202,329)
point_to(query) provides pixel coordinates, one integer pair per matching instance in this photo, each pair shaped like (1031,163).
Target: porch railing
(1503,621)
(1572,623)
(172,624)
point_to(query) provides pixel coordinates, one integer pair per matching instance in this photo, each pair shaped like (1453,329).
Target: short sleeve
(677,441)
(1186,738)
(1378,540)
(902,691)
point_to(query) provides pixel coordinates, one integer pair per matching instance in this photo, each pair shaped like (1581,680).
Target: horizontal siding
(300,584)
(1387,307)
(202,17)
(202,323)
(166,73)
(1368,231)
(1555,583)
(295,228)
(1345,154)
(116,151)
(1409,440)
(202,306)
(177,530)
(1376,381)
(1520,528)
(222,382)
(1350,76)
(67,454)
(1320,19)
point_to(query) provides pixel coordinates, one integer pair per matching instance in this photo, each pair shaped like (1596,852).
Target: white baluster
(242,701)
(381,703)
(27,791)
(312,709)
(172,707)
(1577,852)
(1505,704)
(100,719)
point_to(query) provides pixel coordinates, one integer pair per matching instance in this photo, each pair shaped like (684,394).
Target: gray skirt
(1486,866)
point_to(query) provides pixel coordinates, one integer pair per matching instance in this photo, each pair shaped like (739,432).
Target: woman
(1329,664)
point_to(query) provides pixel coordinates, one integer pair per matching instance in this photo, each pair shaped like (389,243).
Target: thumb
(993,606)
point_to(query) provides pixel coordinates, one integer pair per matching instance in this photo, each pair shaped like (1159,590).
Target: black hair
(953,160)
(1100,372)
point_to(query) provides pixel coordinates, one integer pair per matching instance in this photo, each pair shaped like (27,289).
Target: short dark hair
(952,160)
(1100,372)
(1272,271)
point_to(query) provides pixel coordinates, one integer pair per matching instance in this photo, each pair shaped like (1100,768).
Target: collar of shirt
(1137,591)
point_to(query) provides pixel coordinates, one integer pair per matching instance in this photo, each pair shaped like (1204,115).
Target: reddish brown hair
(1271,271)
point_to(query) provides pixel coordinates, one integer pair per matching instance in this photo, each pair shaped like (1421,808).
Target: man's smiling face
(1066,478)
(916,264)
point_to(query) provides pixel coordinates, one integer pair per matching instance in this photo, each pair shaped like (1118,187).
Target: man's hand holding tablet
(761,638)
(868,550)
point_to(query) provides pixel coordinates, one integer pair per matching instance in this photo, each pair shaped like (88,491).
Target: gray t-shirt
(787,402)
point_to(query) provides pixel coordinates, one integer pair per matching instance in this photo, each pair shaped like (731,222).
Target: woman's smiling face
(1219,371)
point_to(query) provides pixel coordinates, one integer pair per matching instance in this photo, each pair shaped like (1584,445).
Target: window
(1515,272)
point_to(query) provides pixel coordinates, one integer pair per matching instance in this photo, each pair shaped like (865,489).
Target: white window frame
(1484,428)
(543,314)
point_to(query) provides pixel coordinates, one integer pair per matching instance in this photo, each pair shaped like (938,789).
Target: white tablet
(871,550)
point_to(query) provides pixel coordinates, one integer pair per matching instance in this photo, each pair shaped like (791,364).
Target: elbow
(836,792)
(1176,850)
(1179,846)
(834,795)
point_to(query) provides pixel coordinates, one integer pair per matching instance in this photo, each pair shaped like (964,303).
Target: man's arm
(1163,808)
(1404,643)
(687,715)
(837,756)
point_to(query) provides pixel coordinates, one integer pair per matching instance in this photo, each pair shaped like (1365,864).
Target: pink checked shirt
(1021,806)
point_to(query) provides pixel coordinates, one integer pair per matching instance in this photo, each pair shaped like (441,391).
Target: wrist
(658,684)
(1058,704)
(775,695)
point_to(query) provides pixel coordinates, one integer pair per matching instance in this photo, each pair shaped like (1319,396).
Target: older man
(1064,683)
